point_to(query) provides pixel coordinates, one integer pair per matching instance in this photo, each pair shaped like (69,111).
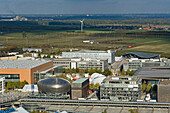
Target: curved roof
(140,55)
(97,78)
(53,85)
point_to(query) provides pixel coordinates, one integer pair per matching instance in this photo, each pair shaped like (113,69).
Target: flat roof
(154,72)
(90,51)
(21,64)
(81,80)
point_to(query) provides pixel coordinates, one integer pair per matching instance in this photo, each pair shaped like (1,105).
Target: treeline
(106,72)
(101,22)
(13,85)
(128,72)
(148,88)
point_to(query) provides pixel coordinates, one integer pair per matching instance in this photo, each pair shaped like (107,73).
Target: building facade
(81,63)
(20,70)
(2,85)
(109,55)
(120,89)
(80,88)
(135,63)
(65,62)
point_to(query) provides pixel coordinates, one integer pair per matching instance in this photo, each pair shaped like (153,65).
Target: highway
(95,103)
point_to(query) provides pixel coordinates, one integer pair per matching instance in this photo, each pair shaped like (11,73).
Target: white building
(81,63)
(106,55)
(2,85)
(32,49)
(30,88)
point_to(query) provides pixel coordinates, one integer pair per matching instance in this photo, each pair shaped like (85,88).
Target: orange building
(20,70)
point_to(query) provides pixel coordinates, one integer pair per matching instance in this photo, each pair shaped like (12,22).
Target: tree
(132,73)
(91,86)
(97,85)
(123,72)
(86,70)
(73,70)
(39,55)
(128,72)
(49,55)
(96,70)
(22,84)
(24,34)
(81,72)
(133,111)
(149,86)
(107,72)
(9,85)
(67,70)
(64,70)
(99,71)
(105,111)
(25,82)
(154,88)
(53,56)
(91,71)
(77,70)
(143,86)
(44,56)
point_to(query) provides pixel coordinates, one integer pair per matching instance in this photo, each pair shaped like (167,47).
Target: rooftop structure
(106,55)
(140,55)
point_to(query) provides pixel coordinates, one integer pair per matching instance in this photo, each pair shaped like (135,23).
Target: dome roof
(53,85)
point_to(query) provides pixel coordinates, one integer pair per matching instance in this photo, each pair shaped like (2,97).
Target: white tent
(97,78)
(30,88)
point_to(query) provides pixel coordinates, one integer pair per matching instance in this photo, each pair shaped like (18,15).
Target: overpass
(95,103)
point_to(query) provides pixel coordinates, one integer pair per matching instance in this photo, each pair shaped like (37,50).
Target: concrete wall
(9,58)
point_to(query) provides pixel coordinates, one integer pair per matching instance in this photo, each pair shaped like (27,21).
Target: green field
(153,42)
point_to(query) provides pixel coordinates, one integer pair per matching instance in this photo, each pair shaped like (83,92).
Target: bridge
(95,103)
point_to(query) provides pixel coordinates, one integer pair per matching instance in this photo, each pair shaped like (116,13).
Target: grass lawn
(103,40)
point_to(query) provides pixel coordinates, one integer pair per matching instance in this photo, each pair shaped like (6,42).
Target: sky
(84,6)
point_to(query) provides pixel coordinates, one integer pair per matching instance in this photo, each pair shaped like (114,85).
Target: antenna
(82,23)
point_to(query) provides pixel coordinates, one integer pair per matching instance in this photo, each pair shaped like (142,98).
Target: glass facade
(2,85)
(11,77)
(47,73)
(123,89)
